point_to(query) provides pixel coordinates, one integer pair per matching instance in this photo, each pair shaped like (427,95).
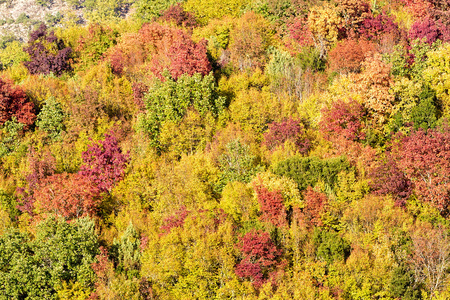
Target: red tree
(375,28)
(260,257)
(428,29)
(179,16)
(348,55)
(176,220)
(387,178)
(69,195)
(425,158)
(290,129)
(272,207)
(174,50)
(14,103)
(314,206)
(343,120)
(104,163)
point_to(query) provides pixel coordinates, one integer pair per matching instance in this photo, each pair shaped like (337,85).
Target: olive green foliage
(170,101)
(308,171)
(149,10)
(127,250)
(424,115)
(11,53)
(330,246)
(237,163)
(61,252)
(50,118)
(10,136)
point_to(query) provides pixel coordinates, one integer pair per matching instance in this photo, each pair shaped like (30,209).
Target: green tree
(36,269)
(50,118)
(170,100)
(308,171)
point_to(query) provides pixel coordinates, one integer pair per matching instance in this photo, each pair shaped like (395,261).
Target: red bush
(13,102)
(343,120)
(348,55)
(179,16)
(425,159)
(290,129)
(272,207)
(388,179)
(314,206)
(104,163)
(68,195)
(260,257)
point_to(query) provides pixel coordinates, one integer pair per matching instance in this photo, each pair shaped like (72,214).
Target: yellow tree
(324,22)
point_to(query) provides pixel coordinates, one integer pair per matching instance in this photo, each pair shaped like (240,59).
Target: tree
(290,129)
(315,203)
(179,16)
(92,45)
(171,49)
(36,269)
(148,11)
(331,246)
(259,257)
(374,28)
(204,11)
(307,171)
(430,257)
(50,118)
(374,84)
(272,206)
(324,22)
(104,163)
(424,157)
(48,54)
(353,14)
(426,29)
(249,41)
(237,163)
(387,178)
(67,195)
(176,220)
(170,100)
(349,54)
(128,251)
(41,165)
(14,103)
(343,120)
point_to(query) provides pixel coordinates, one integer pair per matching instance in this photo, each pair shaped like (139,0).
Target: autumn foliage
(272,206)
(104,163)
(259,257)
(424,157)
(343,119)
(289,130)
(349,54)
(47,53)
(315,203)
(68,195)
(234,149)
(14,103)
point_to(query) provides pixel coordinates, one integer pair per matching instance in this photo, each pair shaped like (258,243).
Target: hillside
(271,149)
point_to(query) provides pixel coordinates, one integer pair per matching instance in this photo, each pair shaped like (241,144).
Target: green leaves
(60,252)
(169,101)
(308,171)
(51,118)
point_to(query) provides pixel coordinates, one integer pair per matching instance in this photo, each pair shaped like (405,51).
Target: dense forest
(234,149)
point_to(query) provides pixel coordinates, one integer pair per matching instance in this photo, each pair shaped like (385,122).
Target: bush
(47,53)
(308,171)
